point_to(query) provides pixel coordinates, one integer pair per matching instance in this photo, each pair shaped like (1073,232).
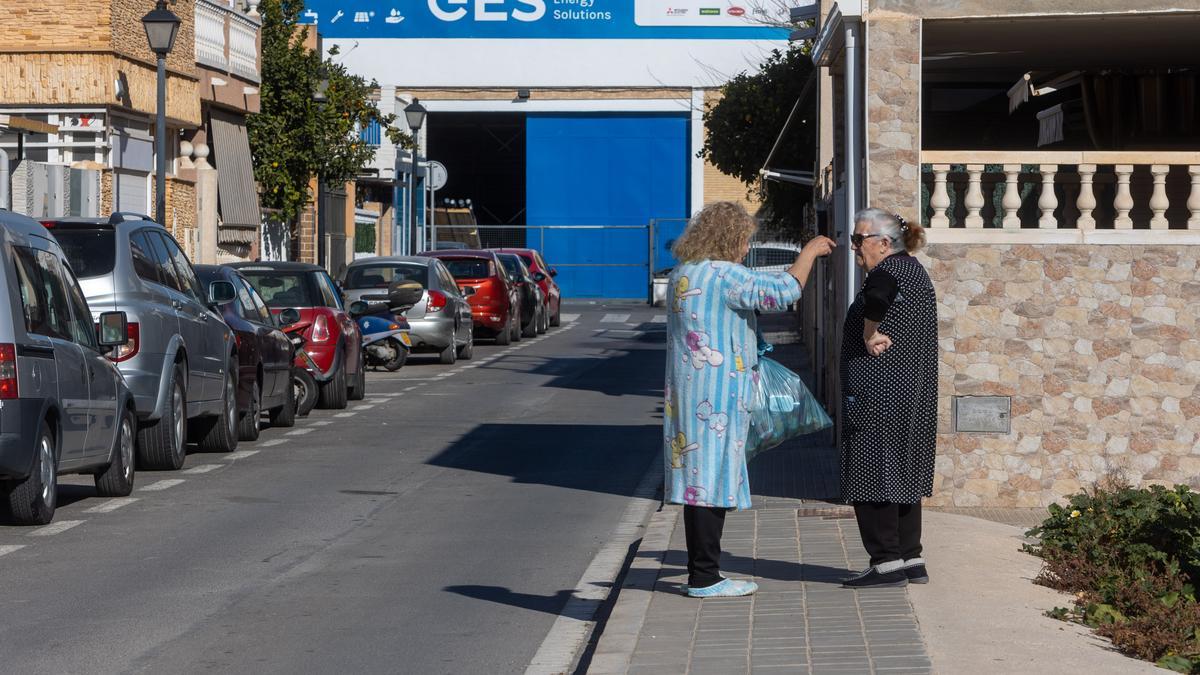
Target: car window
(260,307)
(244,304)
(541,263)
(382,275)
(446,279)
(162,261)
(183,268)
(144,264)
(469,268)
(284,289)
(329,291)
(83,330)
(527,259)
(91,253)
(47,311)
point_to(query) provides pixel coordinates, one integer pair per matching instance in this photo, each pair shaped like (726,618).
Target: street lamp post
(161,27)
(321,96)
(414,114)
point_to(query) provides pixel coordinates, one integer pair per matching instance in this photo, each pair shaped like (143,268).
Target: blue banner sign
(541,19)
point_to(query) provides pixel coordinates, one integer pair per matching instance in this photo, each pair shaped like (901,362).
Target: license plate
(405,339)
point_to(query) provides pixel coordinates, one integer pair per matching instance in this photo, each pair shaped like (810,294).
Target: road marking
(659,318)
(111,505)
(570,630)
(346,414)
(203,468)
(301,432)
(568,318)
(363,407)
(168,483)
(322,423)
(615,318)
(410,389)
(241,454)
(273,442)
(388,395)
(55,528)
(11,548)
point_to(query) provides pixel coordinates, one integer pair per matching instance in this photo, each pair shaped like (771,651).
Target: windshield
(381,276)
(511,264)
(91,253)
(285,289)
(468,268)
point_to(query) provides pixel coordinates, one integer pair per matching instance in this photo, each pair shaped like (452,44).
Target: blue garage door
(614,173)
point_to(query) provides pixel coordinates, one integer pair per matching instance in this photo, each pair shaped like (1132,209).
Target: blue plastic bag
(781,408)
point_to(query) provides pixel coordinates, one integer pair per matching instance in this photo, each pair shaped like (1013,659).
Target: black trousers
(889,531)
(703,526)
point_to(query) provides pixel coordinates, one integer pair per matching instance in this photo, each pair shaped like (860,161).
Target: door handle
(175,304)
(204,316)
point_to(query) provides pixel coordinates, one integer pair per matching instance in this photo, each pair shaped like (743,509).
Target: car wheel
(285,415)
(304,388)
(117,478)
(543,322)
(250,425)
(162,444)
(556,320)
(359,391)
(32,501)
(333,393)
(466,351)
(222,432)
(530,329)
(449,355)
(515,328)
(504,337)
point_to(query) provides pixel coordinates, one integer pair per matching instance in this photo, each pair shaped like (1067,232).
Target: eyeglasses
(858,239)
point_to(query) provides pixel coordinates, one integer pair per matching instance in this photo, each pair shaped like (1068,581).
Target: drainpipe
(854,149)
(5,181)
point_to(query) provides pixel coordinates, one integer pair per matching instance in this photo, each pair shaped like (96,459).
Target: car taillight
(130,348)
(320,329)
(8,371)
(437,301)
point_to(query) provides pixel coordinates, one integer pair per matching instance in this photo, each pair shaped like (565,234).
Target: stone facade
(1096,345)
(893,85)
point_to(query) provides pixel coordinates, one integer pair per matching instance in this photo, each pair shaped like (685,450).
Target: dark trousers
(889,531)
(703,526)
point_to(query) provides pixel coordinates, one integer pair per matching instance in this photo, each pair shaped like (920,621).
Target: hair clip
(902,221)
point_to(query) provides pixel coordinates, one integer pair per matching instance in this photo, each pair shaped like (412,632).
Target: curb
(615,648)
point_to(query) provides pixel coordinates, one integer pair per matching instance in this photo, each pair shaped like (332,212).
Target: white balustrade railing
(227,39)
(1079,191)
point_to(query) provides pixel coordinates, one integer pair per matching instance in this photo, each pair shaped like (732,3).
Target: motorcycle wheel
(400,356)
(305,387)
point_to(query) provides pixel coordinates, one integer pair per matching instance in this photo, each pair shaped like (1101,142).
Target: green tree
(742,128)
(295,138)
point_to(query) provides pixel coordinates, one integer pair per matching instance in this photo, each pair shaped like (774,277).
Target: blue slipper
(726,588)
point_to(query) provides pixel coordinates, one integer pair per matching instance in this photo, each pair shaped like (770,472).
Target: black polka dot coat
(889,436)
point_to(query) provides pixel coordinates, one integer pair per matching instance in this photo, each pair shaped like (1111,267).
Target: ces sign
(488,10)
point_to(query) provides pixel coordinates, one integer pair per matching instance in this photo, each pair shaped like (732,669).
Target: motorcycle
(384,328)
(304,384)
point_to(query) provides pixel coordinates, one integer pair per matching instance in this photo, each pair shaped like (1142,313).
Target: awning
(237,195)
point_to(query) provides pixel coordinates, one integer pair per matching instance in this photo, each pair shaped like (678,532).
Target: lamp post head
(321,94)
(414,114)
(161,28)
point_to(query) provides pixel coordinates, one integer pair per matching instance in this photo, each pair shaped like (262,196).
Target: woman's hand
(817,247)
(877,344)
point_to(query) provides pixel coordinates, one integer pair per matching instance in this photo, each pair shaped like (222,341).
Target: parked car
(264,352)
(333,341)
(495,302)
(771,256)
(533,317)
(64,407)
(181,359)
(440,322)
(544,275)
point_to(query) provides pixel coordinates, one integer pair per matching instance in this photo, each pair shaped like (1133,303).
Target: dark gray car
(181,359)
(64,407)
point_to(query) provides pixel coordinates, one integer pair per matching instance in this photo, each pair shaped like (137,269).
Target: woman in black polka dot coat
(889,365)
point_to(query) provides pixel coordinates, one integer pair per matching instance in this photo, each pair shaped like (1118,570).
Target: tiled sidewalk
(800,621)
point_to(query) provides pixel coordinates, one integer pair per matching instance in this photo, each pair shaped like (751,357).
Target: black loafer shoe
(873,578)
(917,574)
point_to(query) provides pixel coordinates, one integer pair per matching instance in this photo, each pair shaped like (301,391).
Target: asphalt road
(433,528)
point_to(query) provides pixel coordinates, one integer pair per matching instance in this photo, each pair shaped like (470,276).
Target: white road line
(361,408)
(574,622)
(203,468)
(410,389)
(346,414)
(322,423)
(55,528)
(301,432)
(273,442)
(615,318)
(11,548)
(388,395)
(111,505)
(164,484)
(568,318)
(241,454)
(659,318)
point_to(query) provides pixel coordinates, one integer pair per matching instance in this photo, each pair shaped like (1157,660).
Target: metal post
(160,133)
(854,165)
(432,217)
(650,264)
(322,224)
(412,204)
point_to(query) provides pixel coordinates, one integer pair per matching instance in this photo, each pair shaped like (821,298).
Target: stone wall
(893,86)
(1096,345)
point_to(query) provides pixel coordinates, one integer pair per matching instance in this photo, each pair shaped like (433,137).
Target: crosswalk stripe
(615,318)
(659,318)
(568,318)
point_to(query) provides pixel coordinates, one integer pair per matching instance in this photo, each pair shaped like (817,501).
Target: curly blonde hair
(721,231)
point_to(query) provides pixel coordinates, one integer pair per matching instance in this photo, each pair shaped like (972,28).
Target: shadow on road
(550,604)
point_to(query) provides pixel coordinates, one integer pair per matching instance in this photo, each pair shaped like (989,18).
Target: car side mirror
(221,292)
(358,308)
(113,329)
(539,277)
(553,272)
(289,316)
(467,291)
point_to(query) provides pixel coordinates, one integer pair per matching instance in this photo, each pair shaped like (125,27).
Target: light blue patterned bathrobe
(711,354)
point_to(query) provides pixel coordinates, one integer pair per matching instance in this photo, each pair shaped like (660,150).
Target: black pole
(412,205)
(160,178)
(321,222)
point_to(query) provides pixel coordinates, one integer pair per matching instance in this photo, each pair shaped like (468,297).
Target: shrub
(1131,557)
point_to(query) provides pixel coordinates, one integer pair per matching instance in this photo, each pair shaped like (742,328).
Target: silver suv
(181,357)
(64,407)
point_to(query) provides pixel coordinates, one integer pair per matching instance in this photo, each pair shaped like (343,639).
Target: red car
(334,342)
(544,275)
(495,302)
